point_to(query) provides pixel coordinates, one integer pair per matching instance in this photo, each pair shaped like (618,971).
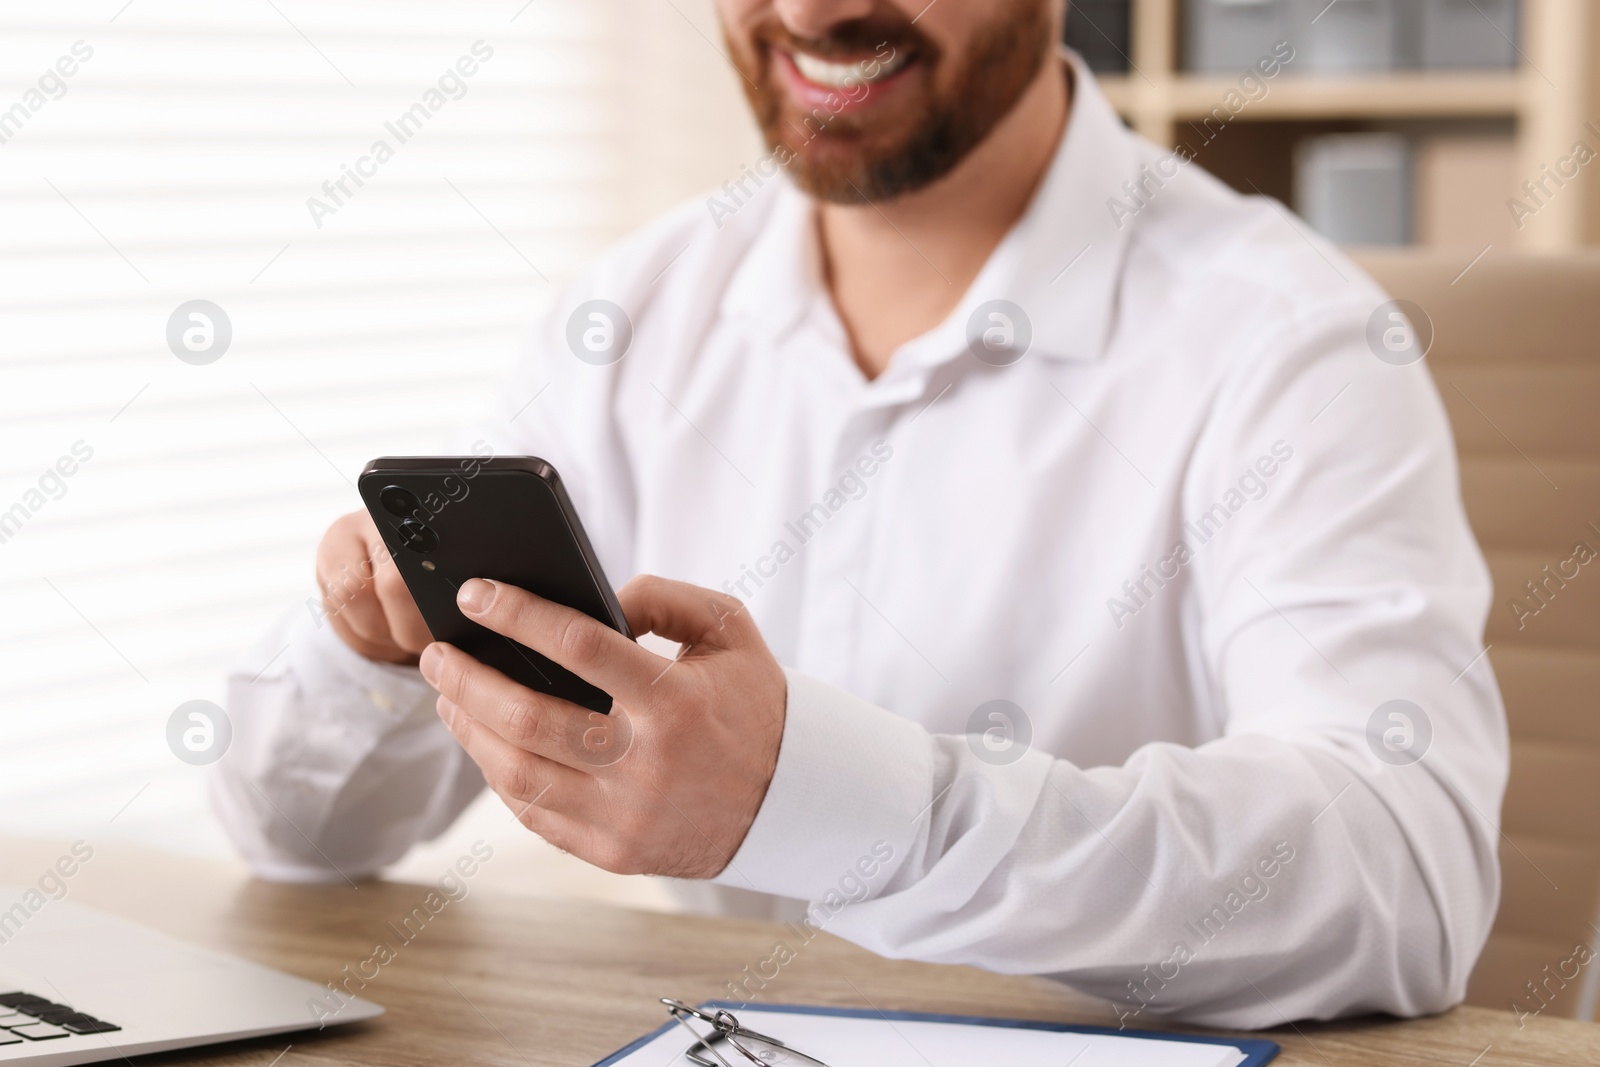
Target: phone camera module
(398,501)
(417,537)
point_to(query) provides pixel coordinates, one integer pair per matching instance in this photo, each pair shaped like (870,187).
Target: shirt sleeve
(1320,857)
(337,764)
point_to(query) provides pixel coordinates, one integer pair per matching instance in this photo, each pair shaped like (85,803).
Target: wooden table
(523,982)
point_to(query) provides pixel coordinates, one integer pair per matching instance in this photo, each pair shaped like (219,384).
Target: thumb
(687,614)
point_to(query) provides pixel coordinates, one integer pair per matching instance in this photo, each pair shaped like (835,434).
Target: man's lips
(841,87)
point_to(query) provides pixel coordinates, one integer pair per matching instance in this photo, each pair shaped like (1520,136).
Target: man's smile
(843,74)
(841,84)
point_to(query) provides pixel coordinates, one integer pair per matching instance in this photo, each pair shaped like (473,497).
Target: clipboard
(924,1039)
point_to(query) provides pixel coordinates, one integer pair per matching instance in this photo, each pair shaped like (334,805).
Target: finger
(585,646)
(350,601)
(691,615)
(552,826)
(522,779)
(531,721)
(357,611)
(404,622)
(576,834)
(344,575)
(565,833)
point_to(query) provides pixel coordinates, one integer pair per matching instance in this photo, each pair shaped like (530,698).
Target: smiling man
(1061,587)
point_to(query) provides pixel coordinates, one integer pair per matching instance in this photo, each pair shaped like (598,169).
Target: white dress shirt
(1196,535)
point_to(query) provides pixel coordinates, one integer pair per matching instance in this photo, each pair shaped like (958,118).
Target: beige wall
(691,129)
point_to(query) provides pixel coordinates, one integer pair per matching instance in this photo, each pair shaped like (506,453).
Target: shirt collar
(781,273)
(1061,263)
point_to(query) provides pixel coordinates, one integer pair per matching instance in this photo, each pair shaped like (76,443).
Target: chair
(1516,355)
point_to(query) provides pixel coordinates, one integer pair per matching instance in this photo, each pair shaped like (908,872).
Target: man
(1063,584)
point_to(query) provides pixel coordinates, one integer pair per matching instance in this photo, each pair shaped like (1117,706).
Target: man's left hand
(671,780)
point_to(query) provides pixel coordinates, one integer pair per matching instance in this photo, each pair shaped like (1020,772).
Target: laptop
(80,986)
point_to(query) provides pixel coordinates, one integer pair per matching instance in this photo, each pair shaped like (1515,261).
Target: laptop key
(8,1038)
(80,1023)
(23,1001)
(39,1031)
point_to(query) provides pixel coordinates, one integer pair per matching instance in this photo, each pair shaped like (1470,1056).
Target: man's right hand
(367,601)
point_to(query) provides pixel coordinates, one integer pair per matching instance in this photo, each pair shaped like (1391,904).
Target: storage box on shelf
(1468,33)
(1352,35)
(1355,188)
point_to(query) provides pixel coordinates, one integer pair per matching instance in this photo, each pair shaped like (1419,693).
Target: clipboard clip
(728,1032)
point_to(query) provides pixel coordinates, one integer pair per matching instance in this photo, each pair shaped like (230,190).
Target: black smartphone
(446,519)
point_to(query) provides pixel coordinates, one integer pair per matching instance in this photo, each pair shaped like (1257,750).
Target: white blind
(174,164)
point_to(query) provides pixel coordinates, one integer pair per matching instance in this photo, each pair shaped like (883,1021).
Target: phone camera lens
(417,537)
(398,501)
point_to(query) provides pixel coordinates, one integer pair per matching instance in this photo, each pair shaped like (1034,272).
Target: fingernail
(447,711)
(476,595)
(429,664)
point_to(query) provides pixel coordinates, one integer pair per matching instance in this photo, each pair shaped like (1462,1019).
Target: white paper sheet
(846,1041)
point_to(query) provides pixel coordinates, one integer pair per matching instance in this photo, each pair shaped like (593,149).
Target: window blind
(157,512)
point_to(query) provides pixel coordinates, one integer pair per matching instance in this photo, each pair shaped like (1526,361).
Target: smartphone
(446,519)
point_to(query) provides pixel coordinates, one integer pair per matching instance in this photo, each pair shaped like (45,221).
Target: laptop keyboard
(25,1017)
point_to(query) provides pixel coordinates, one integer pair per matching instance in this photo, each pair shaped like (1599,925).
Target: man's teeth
(846,75)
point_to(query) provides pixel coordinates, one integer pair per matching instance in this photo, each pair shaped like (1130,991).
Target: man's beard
(847,159)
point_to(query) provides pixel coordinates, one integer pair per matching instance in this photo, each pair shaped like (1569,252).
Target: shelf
(1544,106)
(1420,95)
(1389,96)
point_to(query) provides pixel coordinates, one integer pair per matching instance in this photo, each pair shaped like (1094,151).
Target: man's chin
(834,183)
(843,171)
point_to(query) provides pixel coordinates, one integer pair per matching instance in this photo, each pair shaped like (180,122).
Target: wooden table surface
(523,982)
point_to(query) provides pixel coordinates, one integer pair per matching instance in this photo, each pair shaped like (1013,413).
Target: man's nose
(814,18)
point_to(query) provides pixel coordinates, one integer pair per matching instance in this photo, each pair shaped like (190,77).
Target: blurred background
(175,163)
(158,152)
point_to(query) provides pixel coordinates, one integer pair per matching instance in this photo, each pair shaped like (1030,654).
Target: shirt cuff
(324,663)
(851,782)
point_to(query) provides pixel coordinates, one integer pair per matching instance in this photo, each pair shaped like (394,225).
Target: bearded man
(1063,580)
